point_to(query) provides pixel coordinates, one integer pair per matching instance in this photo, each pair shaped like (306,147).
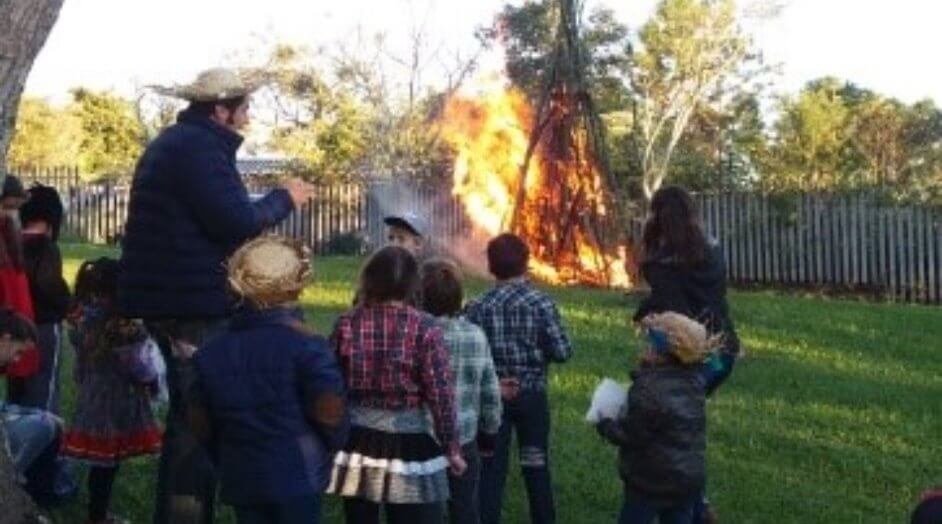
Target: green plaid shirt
(477,391)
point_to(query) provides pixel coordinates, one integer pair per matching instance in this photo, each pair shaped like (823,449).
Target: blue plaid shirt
(524,330)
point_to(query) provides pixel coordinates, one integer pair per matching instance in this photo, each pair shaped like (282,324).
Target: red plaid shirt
(394,357)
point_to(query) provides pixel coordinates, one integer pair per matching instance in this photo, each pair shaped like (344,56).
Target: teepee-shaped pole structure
(571,207)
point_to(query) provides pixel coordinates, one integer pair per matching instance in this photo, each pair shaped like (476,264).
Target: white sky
(886,45)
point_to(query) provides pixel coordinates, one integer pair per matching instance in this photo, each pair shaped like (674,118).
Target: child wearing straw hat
(269,399)
(661,434)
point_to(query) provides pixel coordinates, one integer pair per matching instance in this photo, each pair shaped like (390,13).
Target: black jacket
(698,292)
(662,435)
(48,289)
(189,210)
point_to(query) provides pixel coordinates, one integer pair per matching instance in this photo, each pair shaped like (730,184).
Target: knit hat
(270,271)
(929,510)
(680,336)
(217,84)
(43,204)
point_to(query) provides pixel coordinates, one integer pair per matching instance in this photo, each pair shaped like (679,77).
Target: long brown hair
(673,227)
(11,243)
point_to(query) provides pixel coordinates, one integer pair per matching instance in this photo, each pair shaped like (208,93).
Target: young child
(14,293)
(662,434)
(408,231)
(113,419)
(403,435)
(477,391)
(526,333)
(41,217)
(269,398)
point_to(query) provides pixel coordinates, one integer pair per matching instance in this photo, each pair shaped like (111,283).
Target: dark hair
(390,274)
(673,227)
(208,109)
(442,293)
(97,278)
(11,244)
(44,205)
(507,256)
(16,325)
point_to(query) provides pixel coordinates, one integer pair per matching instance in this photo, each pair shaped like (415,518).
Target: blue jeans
(302,510)
(29,432)
(638,511)
(186,479)
(42,390)
(527,414)
(465,502)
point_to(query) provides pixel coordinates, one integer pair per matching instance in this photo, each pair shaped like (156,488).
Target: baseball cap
(408,220)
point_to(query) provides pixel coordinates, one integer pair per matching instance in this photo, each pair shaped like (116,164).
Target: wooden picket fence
(852,242)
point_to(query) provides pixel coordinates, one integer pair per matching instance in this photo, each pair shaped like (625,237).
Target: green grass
(834,415)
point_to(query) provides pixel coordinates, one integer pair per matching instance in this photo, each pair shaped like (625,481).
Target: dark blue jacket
(270,391)
(188,212)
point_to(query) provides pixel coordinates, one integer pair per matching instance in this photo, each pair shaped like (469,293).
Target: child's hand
(456,464)
(10,349)
(509,388)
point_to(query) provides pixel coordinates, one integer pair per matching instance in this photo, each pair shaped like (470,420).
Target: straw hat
(681,336)
(216,84)
(270,271)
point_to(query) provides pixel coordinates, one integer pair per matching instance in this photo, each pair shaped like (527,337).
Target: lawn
(834,416)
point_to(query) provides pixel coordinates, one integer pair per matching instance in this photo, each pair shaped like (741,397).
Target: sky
(122,45)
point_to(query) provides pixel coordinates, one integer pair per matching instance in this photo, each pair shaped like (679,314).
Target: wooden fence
(853,242)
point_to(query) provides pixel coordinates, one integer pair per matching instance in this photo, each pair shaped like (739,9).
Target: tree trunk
(24,27)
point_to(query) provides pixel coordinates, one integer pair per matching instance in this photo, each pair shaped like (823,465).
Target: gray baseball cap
(408,220)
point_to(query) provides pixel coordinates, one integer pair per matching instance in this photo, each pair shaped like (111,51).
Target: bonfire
(541,172)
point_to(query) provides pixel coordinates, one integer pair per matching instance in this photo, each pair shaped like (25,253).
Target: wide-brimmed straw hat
(270,271)
(217,84)
(681,336)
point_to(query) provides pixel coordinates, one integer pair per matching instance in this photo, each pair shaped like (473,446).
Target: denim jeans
(29,432)
(186,479)
(302,510)
(638,511)
(528,415)
(464,504)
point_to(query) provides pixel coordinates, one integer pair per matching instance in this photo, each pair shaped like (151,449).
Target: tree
(111,136)
(528,31)
(692,53)
(811,150)
(45,136)
(24,27)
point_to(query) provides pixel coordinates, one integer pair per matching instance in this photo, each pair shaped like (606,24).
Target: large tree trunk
(24,27)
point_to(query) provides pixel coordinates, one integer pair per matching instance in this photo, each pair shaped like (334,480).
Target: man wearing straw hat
(188,211)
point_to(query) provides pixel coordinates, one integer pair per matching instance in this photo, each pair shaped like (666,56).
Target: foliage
(45,136)
(835,421)
(111,136)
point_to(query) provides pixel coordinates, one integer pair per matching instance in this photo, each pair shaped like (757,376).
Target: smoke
(450,233)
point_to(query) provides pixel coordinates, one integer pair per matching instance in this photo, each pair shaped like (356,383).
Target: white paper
(607,402)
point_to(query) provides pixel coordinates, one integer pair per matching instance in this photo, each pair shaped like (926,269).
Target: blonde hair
(688,340)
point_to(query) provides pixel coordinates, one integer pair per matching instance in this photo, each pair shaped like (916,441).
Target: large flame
(490,133)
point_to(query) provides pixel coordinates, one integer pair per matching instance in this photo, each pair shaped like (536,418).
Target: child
(406,230)
(525,333)
(402,404)
(41,217)
(113,419)
(662,434)
(14,293)
(269,397)
(476,387)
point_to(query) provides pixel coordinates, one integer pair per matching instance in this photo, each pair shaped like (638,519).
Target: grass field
(834,416)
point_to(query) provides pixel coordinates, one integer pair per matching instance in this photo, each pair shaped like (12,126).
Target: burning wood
(542,175)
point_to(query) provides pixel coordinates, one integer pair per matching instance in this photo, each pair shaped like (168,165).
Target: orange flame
(490,134)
